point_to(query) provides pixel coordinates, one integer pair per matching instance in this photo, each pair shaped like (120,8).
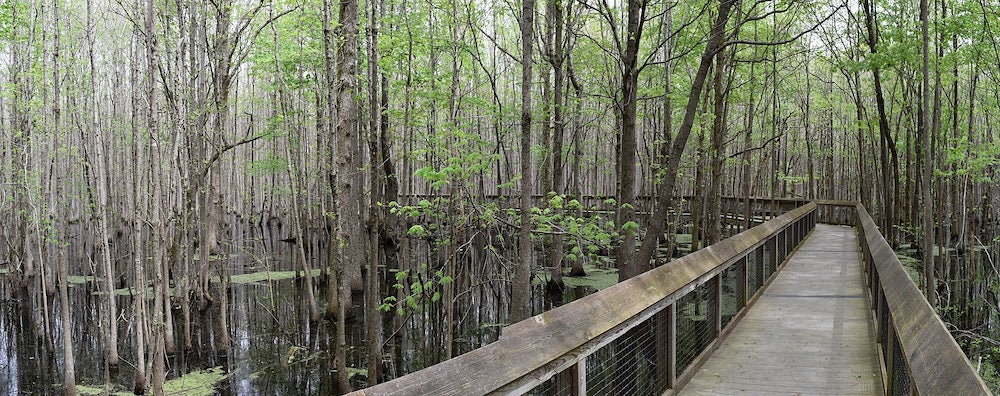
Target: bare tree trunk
(626,224)
(666,131)
(555,12)
(378,179)
(138,197)
(926,207)
(348,249)
(101,183)
(157,347)
(811,188)
(69,370)
(520,304)
(714,195)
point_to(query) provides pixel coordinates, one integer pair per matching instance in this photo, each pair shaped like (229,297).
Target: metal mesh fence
(695,324)
(781,246)
(769,256)
(732,291)
(561,384)
(883,325)
(755,271)
(547,388)
(637,362)
(629,365)
(900,375)
(873,283)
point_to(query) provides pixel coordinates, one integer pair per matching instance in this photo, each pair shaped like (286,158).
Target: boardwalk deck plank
(810,332)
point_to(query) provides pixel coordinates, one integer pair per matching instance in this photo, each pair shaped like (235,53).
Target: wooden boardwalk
(810,333)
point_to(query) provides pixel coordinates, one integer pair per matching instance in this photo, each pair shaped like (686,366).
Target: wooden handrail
(934,363)
(531,351)
(917,353)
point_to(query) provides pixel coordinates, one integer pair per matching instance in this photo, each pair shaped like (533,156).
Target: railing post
(580,373)
(573,380)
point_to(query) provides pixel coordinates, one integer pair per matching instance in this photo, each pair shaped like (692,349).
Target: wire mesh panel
(629,364)
(883,325)
(803,229)
(781,246)
(732,291)
(900,374)
(547,388)
(873,283)
(755,272)
(695,324)
(803,225)
(769,258)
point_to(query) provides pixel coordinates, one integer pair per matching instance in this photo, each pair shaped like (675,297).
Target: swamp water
(273,350)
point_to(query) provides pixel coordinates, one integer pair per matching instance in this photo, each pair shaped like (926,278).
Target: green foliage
(12,17)
(299,48)
(591,234)
(420,289)
(417,230)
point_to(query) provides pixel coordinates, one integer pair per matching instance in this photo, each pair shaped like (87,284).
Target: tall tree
(100,186)
(889,154)
(555,16)
(626,224)
(520,305)
(926,206)
(349,249)
(664,198)
(156,351)
(69,365)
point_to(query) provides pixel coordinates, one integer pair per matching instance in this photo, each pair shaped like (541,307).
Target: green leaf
(630,227)
(417,231)
(556,202)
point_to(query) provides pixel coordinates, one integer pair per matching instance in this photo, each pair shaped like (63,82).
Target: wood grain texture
(938,365)
(809,333)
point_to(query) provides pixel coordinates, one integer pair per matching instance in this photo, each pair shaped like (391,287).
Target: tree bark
(714,196)
(349,248)
(926,206)
(520,305)
(557,58)
(156,351)
(626,224)
(69,366)
(100,182)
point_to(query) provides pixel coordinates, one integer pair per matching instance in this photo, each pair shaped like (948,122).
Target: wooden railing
(648,334)
(918,354)
(643,326)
